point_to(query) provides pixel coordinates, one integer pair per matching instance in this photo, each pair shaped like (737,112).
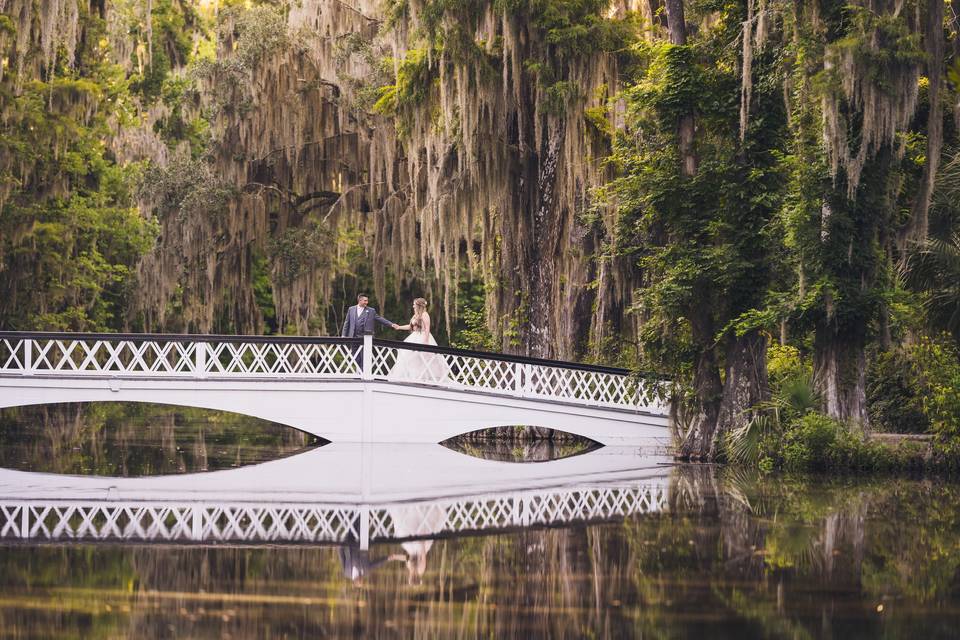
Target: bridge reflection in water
(347,493)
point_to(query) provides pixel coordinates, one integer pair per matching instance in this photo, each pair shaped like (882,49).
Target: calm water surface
(730,555)
(131,439)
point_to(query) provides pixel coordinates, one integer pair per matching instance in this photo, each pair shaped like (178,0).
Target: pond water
(609,544)
(132,439)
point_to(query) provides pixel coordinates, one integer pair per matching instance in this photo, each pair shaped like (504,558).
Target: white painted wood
(319,388)
(320,496)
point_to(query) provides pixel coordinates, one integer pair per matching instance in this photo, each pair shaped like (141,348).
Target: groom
(360,319)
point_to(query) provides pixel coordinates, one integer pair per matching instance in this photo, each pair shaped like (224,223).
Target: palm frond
(743,445)
(934,268)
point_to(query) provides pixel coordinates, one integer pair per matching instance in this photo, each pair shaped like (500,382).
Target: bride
(419,366)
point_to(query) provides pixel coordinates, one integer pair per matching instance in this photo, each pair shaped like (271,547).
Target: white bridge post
(27,357)
(201,360)
(366,358)
(364,528)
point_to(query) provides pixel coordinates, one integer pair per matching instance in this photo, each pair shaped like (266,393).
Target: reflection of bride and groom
(411,365)
(408,521)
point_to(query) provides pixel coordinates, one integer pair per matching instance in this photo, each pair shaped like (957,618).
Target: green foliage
(575,28)
(819,443)
(254,33)
(248,35)
(70,231)
(471,330)
(70,234)
(792,397)
(697,238)
(376,83)
(940,363)
(263,292)
(186,188)
(474,335)
(812,442)
(896,388)
(748,445)
(296,251)
(918,384)
(558,96)
(414,80)
(180,95)
(935,271)
(785,363)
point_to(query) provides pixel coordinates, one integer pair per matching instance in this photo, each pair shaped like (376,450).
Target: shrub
(808,441)
(816,442)
(940,362)
(896,387)
(784,362)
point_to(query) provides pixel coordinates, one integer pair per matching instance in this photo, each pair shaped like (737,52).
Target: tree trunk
(839,373)
(707,387)
(546,232)
(919,226)
(745,385)
(658,18)
(676,21)
(708,391)
(686,126)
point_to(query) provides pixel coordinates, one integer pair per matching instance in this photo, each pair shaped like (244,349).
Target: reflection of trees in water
(734,556)
(557,582)
(799,557)
(131,439)
(521,450)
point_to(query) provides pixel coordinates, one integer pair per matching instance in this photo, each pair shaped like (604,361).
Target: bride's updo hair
(419,308)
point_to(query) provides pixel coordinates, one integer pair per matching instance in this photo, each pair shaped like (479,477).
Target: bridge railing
(271,522)
(295,357)
(165,355)
(512,375)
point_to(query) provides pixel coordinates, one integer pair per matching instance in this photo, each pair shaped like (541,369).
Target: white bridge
(340,493)
(340,389)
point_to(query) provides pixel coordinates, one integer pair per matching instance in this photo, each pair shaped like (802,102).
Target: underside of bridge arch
(127,397)
(521,444)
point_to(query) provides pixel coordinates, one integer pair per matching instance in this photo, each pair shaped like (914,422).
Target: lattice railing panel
(410,365)
(171,523)
(574,384)
(513,510)
(264,523)
(80,356)
(284,359)
(519,379)
(176,358)
(12,355)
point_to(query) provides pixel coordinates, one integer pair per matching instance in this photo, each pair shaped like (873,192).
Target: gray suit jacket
(354,326)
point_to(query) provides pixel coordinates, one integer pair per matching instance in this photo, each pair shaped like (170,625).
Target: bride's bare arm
(425,319)
(403,327)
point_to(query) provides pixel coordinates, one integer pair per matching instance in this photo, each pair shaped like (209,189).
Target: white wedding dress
(420,366)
